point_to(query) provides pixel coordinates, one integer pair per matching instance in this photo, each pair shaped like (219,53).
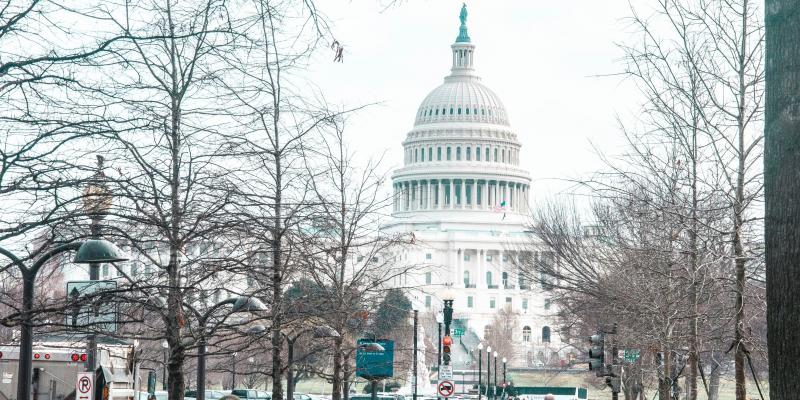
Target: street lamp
(488,369)
(480,365)
(240,304)
(505,380)
(90,251)
(494,388)
(319,332)
(165,345)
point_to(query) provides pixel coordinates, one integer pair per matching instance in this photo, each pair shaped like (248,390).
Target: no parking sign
(84,386)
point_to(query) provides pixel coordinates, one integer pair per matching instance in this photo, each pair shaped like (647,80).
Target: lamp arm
(50,254)
(14,259)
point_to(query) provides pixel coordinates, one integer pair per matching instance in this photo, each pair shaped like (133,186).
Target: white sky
(541,57)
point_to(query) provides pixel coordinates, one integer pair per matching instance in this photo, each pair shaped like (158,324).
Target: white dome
(461,98)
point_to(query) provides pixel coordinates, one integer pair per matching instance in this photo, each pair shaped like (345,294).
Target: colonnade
(460,194)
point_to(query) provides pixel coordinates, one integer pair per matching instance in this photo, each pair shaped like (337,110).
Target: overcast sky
(542,58)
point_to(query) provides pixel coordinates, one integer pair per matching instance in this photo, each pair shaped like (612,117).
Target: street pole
(416,321)
(480,373)
(164,374)
(439,354)
(233,375)
(505,379)
(488,370)
(494,388)
(201,366)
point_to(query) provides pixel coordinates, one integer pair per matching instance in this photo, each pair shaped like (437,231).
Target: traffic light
(597,352)
(446,342)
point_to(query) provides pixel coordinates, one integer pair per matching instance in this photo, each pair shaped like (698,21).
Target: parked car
(160,395)
(210,394)
(251,394)
(368,397)
(302,396)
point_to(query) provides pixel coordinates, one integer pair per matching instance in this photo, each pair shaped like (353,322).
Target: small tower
(463,49)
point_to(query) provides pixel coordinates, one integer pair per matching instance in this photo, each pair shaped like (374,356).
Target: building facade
(463,195)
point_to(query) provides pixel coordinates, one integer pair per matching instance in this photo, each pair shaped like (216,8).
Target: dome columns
(460,194)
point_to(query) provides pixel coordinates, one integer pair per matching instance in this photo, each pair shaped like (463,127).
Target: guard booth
(560,392)
(56,365)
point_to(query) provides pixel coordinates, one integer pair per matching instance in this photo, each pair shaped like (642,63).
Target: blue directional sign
(375,358)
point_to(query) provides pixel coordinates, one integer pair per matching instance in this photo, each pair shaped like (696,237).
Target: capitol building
(462,194)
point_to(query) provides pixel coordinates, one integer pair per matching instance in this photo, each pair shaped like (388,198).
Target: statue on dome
(463,15)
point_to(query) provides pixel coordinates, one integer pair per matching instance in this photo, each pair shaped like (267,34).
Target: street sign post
(92,304)
(458,332)
(446,373)
(84,386)
(446,388)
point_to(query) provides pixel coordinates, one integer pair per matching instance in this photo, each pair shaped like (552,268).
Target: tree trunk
(782,189)
(713,384)
(337,369)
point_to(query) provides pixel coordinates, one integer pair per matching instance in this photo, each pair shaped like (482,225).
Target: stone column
(481,265)
(463,193)
(452,194)
(473,194)
(440,189)
(485,195)
(496,193)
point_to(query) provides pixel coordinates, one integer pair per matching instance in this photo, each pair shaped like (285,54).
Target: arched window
(487,153)
(448,153)
(430,153)
(526,335)
(458,153)
(495,154)
(546,334)
(478,153)
(503,153)
(459,110)
(416,155)
(469,153)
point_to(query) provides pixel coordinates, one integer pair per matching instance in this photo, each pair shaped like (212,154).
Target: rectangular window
(430,153)
(487,154)
(524,304)
(428,278)
(505,257)
(546,304)
(105,270)
(469,301)
(508,303)
(488,257)
(492,303)
(428,256)
(427,301)
(479,195)
(466,257)
(438,154)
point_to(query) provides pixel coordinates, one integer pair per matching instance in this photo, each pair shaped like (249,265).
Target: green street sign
(629,355)
(458,332)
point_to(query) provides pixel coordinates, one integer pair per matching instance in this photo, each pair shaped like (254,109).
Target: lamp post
(494,388)
(240,304)
(233,372)
(480,363)
(416,322)
(439,320)
(488,370)
(165,345)
(96,203)
(90,251)
(505,380)
(320,332)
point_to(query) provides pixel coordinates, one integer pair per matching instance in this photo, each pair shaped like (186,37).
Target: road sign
(84,386)
(92,305)
(629,356)
(445,372)
(375,358)
(446,388)
(458,332)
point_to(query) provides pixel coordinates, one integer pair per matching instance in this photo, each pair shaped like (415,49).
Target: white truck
(56,366)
